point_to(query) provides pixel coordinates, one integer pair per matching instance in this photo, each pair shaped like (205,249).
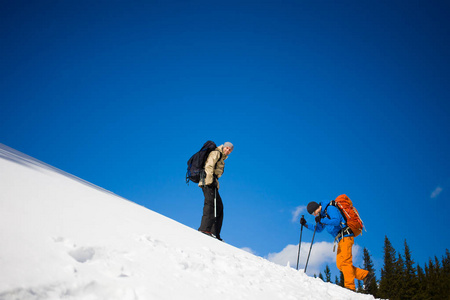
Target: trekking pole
(299,243)
(315,228)
(215,203)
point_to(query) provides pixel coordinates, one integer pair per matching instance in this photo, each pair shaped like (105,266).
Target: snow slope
(64,238)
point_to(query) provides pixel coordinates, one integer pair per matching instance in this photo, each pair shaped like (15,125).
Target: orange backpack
(350,214)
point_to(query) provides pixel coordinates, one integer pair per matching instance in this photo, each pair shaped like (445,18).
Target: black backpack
(196,164)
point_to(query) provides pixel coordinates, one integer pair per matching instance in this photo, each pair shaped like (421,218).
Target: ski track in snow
(63,238)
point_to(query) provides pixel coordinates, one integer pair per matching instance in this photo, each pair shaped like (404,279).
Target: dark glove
(318,218)
(303,221)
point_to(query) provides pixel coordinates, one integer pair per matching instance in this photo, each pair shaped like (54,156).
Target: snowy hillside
(63,238)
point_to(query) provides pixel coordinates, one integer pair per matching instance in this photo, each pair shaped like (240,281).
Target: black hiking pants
(211,223)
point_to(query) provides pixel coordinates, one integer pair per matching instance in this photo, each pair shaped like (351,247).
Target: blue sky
(319,99)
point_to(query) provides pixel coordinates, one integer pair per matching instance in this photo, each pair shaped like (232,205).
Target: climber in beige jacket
(212,218)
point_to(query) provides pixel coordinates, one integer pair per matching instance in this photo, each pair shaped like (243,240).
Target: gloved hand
(318,218)
(303,221)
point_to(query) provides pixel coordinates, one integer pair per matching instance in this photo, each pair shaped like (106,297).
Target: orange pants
(344,262)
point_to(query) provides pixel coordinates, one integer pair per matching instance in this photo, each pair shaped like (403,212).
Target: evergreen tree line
(400,278)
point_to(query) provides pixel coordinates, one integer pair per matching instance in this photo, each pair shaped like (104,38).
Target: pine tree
(422,284)
(440,288)
(388,272)
(368,265)
(428,281)
(446,268)
(399,276)
(327,274)
(434,282)
(359,286)
(410,277)
(431,280)
(446,262)
(321,276)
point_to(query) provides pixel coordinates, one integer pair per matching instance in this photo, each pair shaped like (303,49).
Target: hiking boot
(367,280)
(211,235)
(207,233)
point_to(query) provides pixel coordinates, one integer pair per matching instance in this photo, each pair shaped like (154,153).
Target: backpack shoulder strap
(220,153)
(220,157)
(332,203)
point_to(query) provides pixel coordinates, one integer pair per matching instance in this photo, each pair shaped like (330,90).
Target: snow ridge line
(15,156)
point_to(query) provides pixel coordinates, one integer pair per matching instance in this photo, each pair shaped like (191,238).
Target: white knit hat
(229,145)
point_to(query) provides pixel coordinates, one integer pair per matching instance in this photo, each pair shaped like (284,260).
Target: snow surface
(64,238)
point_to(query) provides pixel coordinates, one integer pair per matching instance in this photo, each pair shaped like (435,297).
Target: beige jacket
(214,166)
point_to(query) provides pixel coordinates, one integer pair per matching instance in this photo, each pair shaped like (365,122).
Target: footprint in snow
(82,254)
